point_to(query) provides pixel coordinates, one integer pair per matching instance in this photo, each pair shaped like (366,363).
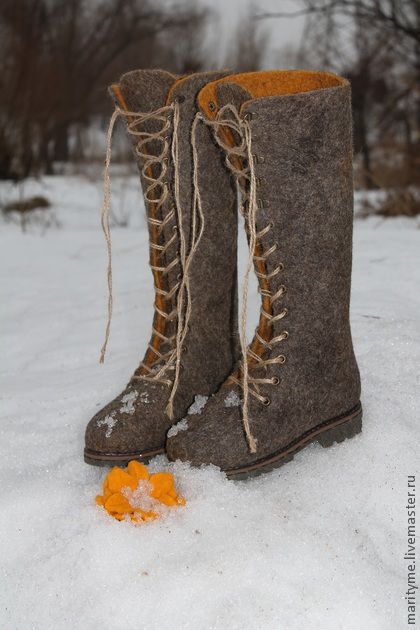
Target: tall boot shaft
(287,137)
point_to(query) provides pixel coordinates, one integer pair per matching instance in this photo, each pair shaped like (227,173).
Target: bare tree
(249,47)
(376,44)
(57,58)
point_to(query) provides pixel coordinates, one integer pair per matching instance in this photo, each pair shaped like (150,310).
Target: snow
(182,425)
(232,400)
(128,402)
(193,410)
(198,405)
(109,421)
(317,544)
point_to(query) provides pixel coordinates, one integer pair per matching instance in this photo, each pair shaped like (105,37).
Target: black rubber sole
(327,433)
(118,459)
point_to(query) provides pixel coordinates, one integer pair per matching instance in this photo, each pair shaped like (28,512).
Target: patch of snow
(232,400)
(334,515)
(110,422)
(182,425)
(198,405)
(128,401)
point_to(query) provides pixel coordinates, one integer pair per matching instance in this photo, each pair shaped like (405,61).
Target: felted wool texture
(307,193)
(211,344)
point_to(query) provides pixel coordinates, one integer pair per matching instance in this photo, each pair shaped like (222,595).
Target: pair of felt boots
(280,141)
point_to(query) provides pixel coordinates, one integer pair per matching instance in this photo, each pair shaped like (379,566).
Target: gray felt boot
(287,138)
(194,342)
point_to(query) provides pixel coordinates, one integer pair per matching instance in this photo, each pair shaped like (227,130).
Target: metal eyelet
(266,401)
(285,311)
(212,106)
(285,334)
(184,349)
(282,288)
(271,225)
(174,228)
(179,276)
(280,266)
(275,380)
(282,359)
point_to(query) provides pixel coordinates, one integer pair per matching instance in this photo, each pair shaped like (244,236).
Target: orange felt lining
(270,83)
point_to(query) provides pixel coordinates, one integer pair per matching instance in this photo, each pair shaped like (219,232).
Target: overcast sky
(281,32)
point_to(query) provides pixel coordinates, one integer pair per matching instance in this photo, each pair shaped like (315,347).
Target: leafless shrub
(57,58)
(376,44)
(249,47)
(394,203)
(32,211)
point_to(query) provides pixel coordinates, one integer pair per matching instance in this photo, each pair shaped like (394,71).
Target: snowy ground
(318,544)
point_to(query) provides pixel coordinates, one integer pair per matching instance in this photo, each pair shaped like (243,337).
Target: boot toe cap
(132,424)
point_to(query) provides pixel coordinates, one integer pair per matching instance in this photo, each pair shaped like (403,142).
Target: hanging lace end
(105,344)
(106,205)
(252,441)
(170,409)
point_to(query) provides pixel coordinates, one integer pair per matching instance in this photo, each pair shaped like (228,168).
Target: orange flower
(136,484)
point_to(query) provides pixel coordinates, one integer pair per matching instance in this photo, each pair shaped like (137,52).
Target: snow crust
(315,545)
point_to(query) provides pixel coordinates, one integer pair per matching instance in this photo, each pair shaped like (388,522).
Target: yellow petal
(119,517)
(137,471)
(118,479)
(162,483)
(118,504)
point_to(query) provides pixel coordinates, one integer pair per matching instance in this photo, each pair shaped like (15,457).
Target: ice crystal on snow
(182,425)
(128,402)
(110,422)
(232,400)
